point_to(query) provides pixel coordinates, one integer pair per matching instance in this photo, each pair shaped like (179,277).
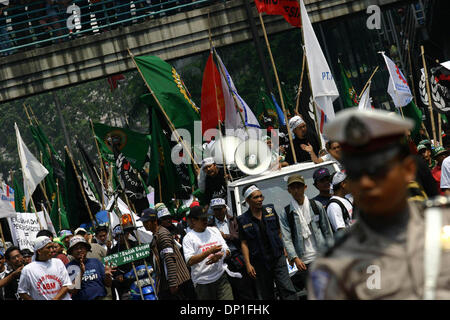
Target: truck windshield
(275,189)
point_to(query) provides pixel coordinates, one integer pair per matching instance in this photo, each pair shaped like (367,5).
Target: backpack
(291,221)
(344,210)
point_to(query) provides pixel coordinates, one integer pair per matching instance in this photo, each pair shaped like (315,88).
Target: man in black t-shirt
(301,138)
(10,282)
(215,185)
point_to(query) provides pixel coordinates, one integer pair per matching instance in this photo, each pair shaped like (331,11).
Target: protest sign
(24,227)
(126,256)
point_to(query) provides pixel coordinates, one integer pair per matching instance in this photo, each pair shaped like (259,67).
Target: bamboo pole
(139,241)
(172,127)
(218,108)
(59,205)
(3,237)
(34,207)
(102,167)
(414,88)
(430,100)
(232,94)
(279,88)
(81,187)
(127,245)
(367,83)
(297,104)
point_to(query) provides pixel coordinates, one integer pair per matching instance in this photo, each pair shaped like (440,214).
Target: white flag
(33,171)
(235,118)
(365,103)
(6,209)
(398,87)
(323,87)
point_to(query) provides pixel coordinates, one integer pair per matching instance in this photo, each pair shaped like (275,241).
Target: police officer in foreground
(382,255)
(262,247)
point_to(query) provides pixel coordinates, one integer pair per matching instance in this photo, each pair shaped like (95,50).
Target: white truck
(273,185)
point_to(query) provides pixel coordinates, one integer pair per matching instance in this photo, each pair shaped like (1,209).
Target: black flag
(130,182)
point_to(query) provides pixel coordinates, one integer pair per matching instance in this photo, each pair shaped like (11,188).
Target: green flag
(57,210)
(43,146)
(349,96)
(19,196)
(170,91)
(162,171)
(266,108)
(133,145)
(413,112)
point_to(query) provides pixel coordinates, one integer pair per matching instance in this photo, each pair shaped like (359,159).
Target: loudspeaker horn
(253,157)
(229,145)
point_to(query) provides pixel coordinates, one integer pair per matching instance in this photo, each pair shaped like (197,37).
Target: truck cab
(273,185)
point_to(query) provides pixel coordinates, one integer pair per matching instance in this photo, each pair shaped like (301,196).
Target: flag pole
(81,187)
(3,238)
(59,205)
(233,94)
(367,83)
(34,207)
(103,173)
(297,104)
(164,112)
(430,99)
(132,262)
(413,87)
(139,241)
(217,105)
(309,79)
(279,88)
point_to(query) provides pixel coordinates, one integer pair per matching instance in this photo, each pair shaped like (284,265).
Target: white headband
(207,161)
(295,122)
(249,191)
(163,212)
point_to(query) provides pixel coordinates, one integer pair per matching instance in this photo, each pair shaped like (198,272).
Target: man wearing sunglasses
(381,256)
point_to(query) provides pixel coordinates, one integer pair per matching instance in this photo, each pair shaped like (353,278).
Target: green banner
(122,257)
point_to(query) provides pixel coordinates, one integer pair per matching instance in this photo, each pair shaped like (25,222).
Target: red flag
(289,9)
(113,81)
(212,95)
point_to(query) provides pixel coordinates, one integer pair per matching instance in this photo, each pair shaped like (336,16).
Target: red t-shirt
(436,172)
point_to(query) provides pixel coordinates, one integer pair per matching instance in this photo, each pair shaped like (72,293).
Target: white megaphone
(228,144)
(253,157)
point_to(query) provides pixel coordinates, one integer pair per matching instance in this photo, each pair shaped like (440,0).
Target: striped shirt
(169,262)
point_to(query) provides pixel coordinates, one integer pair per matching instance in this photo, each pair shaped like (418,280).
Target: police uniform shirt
(367,264)
(262,230)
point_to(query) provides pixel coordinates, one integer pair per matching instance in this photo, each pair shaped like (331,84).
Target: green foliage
(123,108)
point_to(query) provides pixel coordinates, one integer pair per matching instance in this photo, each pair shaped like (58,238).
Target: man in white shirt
(445,176)
(340,208)
(204,250)
(45,278)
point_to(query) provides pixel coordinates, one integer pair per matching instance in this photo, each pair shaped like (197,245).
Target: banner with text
(289,9)
(24,227)
(122,257)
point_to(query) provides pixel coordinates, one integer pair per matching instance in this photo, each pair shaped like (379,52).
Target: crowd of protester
(209,252)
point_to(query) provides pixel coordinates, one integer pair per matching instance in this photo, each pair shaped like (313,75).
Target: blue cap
(149,214)
(320,174)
